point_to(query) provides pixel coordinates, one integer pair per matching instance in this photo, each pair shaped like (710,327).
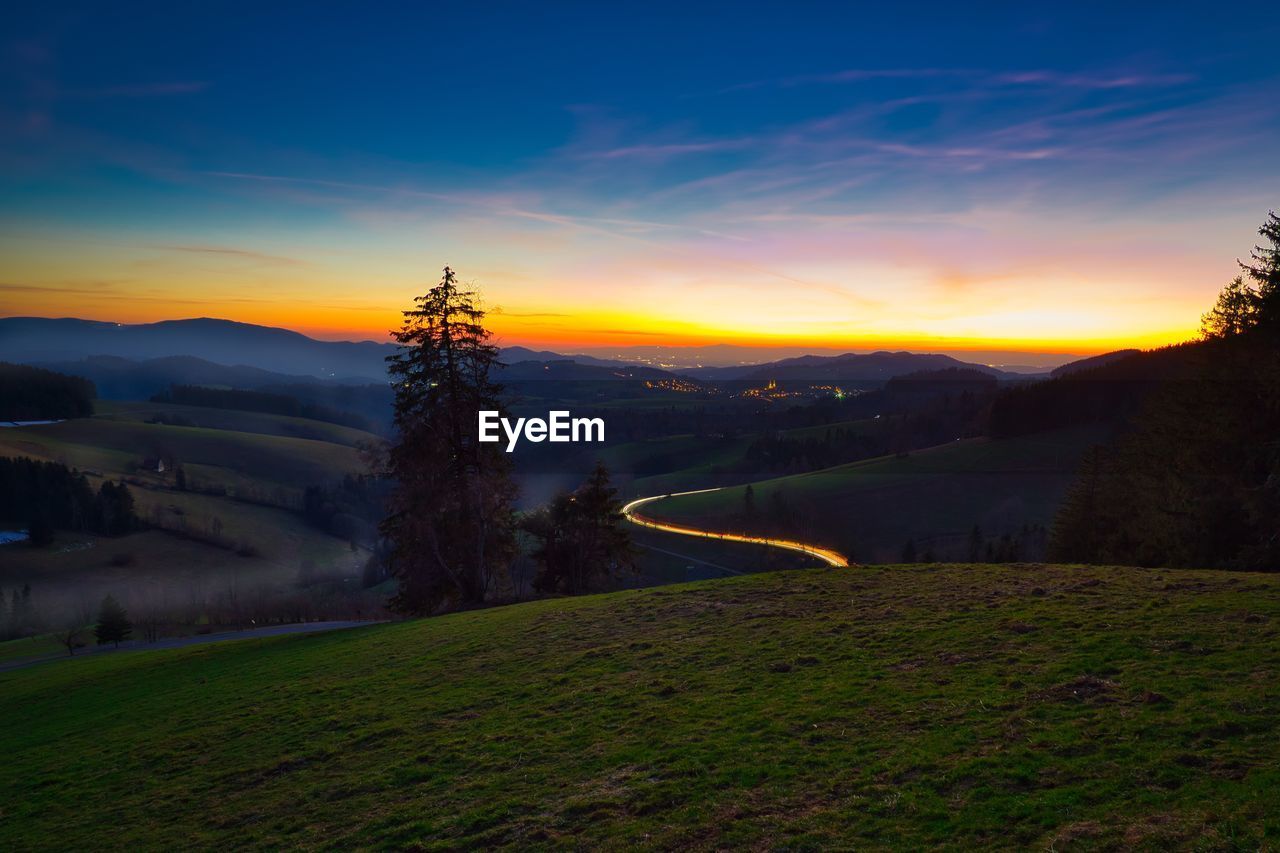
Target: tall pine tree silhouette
(450,526)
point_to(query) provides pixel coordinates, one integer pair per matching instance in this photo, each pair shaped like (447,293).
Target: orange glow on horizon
(626,305)
(572,332)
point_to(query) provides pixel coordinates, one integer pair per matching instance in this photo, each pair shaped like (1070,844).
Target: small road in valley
(195,640)
(826,555)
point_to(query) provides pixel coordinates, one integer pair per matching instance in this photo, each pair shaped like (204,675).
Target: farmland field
(232,531)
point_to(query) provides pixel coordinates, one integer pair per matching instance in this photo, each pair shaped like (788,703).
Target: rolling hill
(870,509)
(681,462)
(850,367)
(235,420)
(226,343)
(213,458)
(1024,706)
(45,340)
(233,528)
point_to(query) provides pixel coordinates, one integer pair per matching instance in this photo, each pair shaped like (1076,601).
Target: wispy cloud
(848,75)
(976,77)
(93,291)
(662,152)
(1090,81)
(233,253)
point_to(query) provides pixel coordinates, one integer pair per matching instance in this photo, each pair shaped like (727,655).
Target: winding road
(826,555)
(195,640)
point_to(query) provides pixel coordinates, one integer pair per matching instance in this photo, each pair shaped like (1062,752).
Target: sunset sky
(915,176)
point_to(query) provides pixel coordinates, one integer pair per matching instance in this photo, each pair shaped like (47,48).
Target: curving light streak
(828,556)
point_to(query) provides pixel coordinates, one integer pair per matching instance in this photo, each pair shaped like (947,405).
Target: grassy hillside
(671,558)
(870,509)
(158,570)
(226,545)
(1014,706)
(231,419)
(679,462)
(268,465)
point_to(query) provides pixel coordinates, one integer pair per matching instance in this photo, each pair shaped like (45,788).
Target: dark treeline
(47,495)
(951,380)
(258,401)
(1027,543)
(372,402)
(774,452)
(349,510)
(32,394)
(1111,393)
(1196,480)
(911,412)
(922,410)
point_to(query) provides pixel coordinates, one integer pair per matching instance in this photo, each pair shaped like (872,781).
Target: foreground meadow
(1005,706)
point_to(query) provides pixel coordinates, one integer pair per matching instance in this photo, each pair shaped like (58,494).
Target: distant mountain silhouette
(1110,390)
(515,355)
(40,340)
(562,369)
(1090,363)
(850,367)
(687,357)
(126,379)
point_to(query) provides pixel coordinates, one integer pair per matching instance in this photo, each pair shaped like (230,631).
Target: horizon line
(687,341)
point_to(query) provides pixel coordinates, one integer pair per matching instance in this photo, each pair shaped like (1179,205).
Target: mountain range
(245,355)
(849,367)
(35,340)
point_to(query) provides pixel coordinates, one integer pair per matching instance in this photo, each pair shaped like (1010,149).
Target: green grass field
(156,569)
(41,645)
(237,461)
(953,706)
(870,509)
(234,420)
(671,558)
(243,541)
(681,462)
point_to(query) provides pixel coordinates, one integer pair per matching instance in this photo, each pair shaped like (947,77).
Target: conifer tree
(113,623)
(1195,480)
(583,540)
(451,526)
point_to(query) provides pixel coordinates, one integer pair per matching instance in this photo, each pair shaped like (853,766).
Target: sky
(947,177)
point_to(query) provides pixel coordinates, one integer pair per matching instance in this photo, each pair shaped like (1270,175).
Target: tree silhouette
(1253,305)
(582,537)
(1196,481)
(450,521)
(113,623)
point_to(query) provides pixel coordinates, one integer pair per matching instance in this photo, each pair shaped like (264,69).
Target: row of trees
(31,394)
(112,626)
(451,526)
(18,618)
(48,495)
(258,401)
(1196,480)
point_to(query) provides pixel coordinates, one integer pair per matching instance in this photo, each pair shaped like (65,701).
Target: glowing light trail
(826,555)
